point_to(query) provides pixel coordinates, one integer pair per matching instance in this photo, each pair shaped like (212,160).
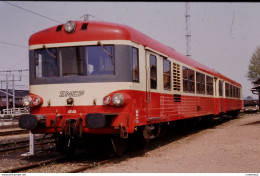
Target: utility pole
(188,30)
(8,74)
(7,98)
(13,95)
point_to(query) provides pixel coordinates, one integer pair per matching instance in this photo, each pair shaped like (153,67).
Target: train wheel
(235,114)
(65,144)
(119,145)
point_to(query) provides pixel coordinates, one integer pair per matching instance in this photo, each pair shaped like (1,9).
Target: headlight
(118,99)
(27,101)
(107,100)
(70,26)
(36,101)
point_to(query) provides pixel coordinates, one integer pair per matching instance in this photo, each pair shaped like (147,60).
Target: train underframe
(72,134)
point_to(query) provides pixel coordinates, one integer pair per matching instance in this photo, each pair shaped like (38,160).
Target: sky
(224,35)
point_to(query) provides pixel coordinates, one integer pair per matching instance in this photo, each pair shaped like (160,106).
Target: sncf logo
(72,93)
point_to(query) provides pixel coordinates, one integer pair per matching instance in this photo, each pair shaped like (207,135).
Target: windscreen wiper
(49,52)
(106,50)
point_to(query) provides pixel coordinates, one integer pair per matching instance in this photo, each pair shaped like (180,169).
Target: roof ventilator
(59,28)
(84,26)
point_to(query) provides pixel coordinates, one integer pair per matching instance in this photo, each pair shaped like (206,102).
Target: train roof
(94,30)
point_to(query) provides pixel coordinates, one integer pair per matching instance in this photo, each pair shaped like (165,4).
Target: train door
(151,85)
(216,97)
(220,88)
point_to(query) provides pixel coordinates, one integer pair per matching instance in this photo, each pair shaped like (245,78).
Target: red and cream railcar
(90,77)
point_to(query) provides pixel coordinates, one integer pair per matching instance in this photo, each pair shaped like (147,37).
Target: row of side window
(203,86)
(166,73)
(204,83)
(232,91)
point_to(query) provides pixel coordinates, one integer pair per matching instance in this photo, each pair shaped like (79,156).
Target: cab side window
(153,72)
(135,65)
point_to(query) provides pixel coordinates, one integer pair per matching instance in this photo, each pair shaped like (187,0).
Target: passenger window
(185,79)
(220,88)
(166,74)
(200,83)
(227,89)
(231,91)
(192,80)
(188,80)
(153,72)
(135,65)
(209,81)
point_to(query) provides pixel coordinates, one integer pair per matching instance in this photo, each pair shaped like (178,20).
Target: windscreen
(74,61)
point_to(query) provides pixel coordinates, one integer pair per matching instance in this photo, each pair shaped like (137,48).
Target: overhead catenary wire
(6,43)
(31,11)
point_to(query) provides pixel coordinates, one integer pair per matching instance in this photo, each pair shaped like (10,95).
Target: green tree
(253,73)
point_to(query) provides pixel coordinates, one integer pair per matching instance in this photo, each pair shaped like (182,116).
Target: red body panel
(161,106)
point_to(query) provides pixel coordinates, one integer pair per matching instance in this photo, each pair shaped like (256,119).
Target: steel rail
(23,141)
(88,166)
(24,146)
(14,132)
(22,168)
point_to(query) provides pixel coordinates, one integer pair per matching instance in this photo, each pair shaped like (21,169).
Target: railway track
(59,160)
(12,146)
(13,132)
(29,166)
(88,166)
(9,126)
(66,166)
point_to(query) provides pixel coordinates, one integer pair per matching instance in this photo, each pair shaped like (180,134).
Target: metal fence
(9,114)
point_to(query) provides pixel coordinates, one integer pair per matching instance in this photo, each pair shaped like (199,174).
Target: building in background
(19,94)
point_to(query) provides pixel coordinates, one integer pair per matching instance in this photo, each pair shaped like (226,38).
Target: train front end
(81,79)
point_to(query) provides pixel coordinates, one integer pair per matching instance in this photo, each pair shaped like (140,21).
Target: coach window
(200,83)
(231,90)
(192,80)
(234,92)
(100,60)
(227,89)
(135,66)
(220,88)
(188,80)
(166,74)
(185,79)
(153,71)
(209,82)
